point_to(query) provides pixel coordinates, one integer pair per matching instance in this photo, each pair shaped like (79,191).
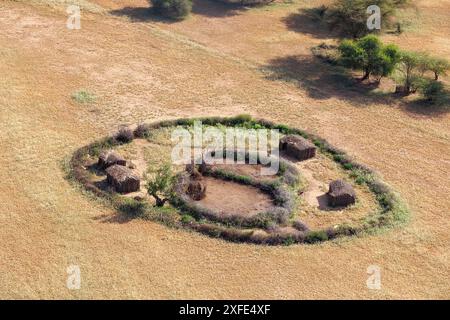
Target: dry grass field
(217,62)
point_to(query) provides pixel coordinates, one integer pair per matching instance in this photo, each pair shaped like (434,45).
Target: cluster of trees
(411,69)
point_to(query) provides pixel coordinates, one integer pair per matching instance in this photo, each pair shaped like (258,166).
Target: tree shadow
(322,81)
(117,217)
(201,7)
(424,108)
(216,9)
(141,14)
(310,22)
(125,212)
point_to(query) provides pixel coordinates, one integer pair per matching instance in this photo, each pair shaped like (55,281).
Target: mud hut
(297,147)
(123,179)
(340,194)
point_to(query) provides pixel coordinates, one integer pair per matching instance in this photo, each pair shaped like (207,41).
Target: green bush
(434,91)
(173,9)
(316,236)
(348,166)
(83,96)
(187,219)
(241,118)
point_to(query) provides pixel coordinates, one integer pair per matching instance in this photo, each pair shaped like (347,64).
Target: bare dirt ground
(148,70)
(226,197)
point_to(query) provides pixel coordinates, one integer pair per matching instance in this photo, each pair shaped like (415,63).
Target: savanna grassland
(219,61)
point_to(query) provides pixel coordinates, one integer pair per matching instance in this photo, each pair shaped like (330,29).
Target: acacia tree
(411,67)
(369,55)
(439,66)
(160,186)
(350,16)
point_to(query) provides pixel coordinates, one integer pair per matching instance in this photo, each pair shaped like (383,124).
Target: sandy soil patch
(314,210)
(229,198)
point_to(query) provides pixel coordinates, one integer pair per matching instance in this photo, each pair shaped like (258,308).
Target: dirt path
(138,72)
(315,189)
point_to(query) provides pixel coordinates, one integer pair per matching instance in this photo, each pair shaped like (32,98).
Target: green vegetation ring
(392,210)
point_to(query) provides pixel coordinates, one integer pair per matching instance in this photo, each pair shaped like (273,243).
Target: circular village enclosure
(318,192)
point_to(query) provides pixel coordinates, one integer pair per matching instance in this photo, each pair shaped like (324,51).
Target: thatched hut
(341,194)
(123,179)
(109,158)
(297,147)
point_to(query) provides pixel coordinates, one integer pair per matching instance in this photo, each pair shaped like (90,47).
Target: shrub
(230,234)
(262,220)
(341,230)
(369,55)
(316,236)
(161,186)
(240,118)
(331,233)
(187,219)
(361,176)
(434,91)
(284,198)
(290,178)
(337,157)
(378,187)
(300,226)
(173,9)
(283,128)
(280,215)
(142,130)
(258,237)
(83,96)
(347,166)
(124,135)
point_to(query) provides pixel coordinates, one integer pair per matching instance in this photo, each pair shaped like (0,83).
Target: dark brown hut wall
(122,179)
(297,147)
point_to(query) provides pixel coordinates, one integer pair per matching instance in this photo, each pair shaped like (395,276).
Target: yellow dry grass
(148,70)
